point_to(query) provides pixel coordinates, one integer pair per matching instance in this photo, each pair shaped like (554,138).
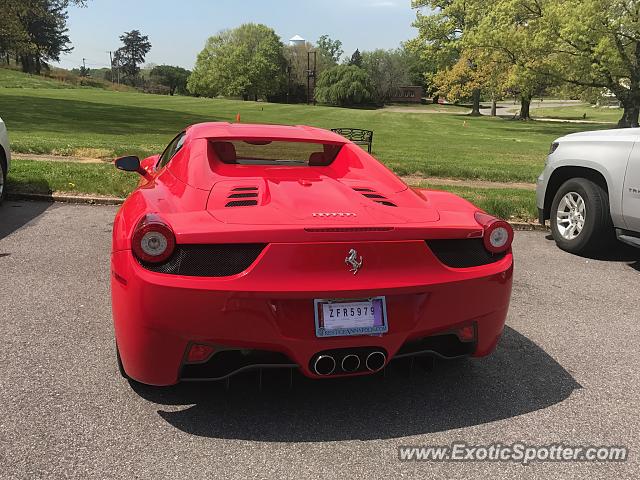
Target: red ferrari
(264,246)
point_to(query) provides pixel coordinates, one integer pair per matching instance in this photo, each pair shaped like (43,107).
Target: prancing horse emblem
(352,259)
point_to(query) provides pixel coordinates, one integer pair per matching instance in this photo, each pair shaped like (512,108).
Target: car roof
(229,131)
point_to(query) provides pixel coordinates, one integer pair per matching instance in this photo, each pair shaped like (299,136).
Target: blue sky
(178,29)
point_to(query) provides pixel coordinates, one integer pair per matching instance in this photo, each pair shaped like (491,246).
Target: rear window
(271,152)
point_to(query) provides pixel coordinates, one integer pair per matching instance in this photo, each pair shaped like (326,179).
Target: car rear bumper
(157,316)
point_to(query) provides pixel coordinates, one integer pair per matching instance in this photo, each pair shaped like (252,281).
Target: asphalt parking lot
(567,370)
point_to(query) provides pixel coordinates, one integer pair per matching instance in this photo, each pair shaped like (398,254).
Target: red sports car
(264,246)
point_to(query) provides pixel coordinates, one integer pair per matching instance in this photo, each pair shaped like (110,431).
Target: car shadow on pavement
(15,215)
(617,252)
(518,378)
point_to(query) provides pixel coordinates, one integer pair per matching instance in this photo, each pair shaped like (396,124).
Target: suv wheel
(3,180)
(580,218)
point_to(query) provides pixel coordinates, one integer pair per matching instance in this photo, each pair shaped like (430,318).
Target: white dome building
(296,40)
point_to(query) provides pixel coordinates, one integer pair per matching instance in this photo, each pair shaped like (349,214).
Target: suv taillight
(153,241)
(498,234)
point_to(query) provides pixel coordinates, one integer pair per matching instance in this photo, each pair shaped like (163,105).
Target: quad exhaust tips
(346,361)
(375,361)
(325,365)
(350,363)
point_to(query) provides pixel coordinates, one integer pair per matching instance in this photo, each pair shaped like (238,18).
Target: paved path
(566,370)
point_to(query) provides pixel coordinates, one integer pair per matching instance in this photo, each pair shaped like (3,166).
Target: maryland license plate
(339,318)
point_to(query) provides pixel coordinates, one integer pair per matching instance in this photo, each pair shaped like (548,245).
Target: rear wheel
(120,366)
(3,178)
(580,218)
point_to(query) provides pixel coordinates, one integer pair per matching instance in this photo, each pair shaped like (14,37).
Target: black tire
(3,177)
(598,228)
(120,366)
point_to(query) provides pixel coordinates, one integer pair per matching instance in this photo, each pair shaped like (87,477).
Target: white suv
(590,188)
(5,159)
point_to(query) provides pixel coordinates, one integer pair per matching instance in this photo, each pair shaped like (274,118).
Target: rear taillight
(497,235)
(153,241)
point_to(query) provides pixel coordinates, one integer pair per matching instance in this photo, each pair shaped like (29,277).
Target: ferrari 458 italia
(264,246)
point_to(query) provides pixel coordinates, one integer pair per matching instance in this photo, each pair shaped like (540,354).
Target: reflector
(199,353)
(466,333)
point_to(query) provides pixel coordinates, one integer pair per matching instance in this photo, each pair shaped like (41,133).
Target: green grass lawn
(45,177)
(15,79)
(32,176)
(93,122)
(430,107)
(594,114)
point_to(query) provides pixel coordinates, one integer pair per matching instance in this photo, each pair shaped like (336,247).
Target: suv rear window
(274,152)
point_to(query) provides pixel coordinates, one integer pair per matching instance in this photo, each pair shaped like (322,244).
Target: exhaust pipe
(350,363)
(324,365)
(375,361)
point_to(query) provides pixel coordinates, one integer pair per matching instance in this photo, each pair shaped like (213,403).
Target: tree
(388,70)
(356,59)
(330,49)
(441,35)
(174,78)
(344,85)
(131,54)
(247,61)
(35,31)
(586,43)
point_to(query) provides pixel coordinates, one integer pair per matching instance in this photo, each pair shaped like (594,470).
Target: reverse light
(498,234)
(153,240)
(199,353)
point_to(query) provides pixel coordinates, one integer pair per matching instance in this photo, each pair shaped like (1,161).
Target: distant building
(408,94)
(296,40)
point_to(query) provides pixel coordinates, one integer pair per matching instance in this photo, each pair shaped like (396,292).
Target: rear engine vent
(209,260)
(375,196)
(242,203)
(243,195)
(243,192)
(463,253)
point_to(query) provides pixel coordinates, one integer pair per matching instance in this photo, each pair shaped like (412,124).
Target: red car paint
(308,218)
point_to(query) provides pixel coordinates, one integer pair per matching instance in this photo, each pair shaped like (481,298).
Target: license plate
(339,318)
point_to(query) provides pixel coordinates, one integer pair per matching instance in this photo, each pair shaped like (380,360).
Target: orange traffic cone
(238,117)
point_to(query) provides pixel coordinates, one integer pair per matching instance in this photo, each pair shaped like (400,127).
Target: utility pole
(84,67)
(311,74)
(111,65)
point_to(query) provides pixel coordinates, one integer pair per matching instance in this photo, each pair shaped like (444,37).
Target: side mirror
(129,164)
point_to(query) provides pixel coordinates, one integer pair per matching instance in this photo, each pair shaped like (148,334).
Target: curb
(89,200)
(54,197)
(529,227)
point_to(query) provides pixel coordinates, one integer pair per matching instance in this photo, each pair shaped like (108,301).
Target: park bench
(357,136)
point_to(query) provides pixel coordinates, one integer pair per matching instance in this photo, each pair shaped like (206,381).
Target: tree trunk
(630,115)
(494,107)
(525,106)
(475,109)
(435,99)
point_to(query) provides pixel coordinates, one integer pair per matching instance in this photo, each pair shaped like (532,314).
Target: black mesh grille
(243,195)
(228,362)
(209,260)
(243,189)
(387,203)
(463,253)
(242,203)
